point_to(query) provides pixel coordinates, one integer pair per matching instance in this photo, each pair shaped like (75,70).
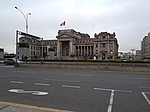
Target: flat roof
(29,35)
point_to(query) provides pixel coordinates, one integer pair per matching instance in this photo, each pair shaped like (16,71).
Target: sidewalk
(13,107)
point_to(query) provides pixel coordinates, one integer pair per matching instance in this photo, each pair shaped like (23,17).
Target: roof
(29,35)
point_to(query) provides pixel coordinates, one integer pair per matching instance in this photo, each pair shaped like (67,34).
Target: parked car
(11,61)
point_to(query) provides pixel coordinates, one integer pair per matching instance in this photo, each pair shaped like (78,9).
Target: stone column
(78,51)
(71,47)
(99,54)
(74,48)
(90,50)
(81,50)
(94,49)
(87,50)
(113,50)
(108,49)
(58,48)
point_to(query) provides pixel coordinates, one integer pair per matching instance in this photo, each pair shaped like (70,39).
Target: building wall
(70,44)
(32,50)
(145,47)
(106,46)
(1,53)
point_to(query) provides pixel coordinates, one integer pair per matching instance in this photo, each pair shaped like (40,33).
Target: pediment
(64,36)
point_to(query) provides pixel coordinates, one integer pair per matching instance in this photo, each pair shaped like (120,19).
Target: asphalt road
(79,91)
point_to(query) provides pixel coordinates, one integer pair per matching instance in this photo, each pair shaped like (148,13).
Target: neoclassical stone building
(71,45)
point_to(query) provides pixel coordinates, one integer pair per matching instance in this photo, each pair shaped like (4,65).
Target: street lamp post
(132,53)
(26,18)
(42,52)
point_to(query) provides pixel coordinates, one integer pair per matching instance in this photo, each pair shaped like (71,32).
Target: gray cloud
(128,18)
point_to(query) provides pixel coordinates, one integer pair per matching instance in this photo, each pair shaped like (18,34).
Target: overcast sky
(129,19)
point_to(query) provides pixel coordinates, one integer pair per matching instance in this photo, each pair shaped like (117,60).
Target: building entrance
(65,48)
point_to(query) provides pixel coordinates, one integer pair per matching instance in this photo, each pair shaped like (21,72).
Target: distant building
(71,45)
(121,54)
(138,52)
(145,47)
(1,53)
(105,46)
(137,55)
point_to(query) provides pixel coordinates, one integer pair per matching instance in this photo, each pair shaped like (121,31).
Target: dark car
(9,61)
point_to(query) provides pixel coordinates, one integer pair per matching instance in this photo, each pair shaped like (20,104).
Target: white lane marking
(146,98)
(3,76)
(16,82)
(141,78)
(32,92)
(61,80)
(24,72)
(111,101)
(102,89)
(143,87)
(41,84)
(7,66)
(79,75)
(67,86)
(111,96)
(123,91)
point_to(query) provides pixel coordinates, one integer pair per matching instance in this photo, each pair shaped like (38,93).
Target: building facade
(145,47)
(29,47)
(1,53)
(70,44)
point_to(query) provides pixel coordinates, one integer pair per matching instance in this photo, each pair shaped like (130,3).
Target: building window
(96,45)
(111,44)
(103,37)
(96,51)
(103,45)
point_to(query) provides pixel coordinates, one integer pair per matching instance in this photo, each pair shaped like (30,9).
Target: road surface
(79,91)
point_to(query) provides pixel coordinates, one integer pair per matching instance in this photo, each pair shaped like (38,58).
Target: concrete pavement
(14,107)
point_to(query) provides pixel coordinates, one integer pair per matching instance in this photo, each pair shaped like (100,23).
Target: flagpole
(93,30)
(65,24)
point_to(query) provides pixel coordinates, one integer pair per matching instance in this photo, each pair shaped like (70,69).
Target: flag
(63,24)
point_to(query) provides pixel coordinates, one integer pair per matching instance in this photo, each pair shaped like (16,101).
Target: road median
(125,67)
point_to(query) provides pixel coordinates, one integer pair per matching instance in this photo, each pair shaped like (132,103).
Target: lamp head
(16,7)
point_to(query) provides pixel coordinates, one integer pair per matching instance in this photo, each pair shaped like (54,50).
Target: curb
(32,107)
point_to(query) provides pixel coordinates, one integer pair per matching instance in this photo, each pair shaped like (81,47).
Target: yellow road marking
(34,107)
